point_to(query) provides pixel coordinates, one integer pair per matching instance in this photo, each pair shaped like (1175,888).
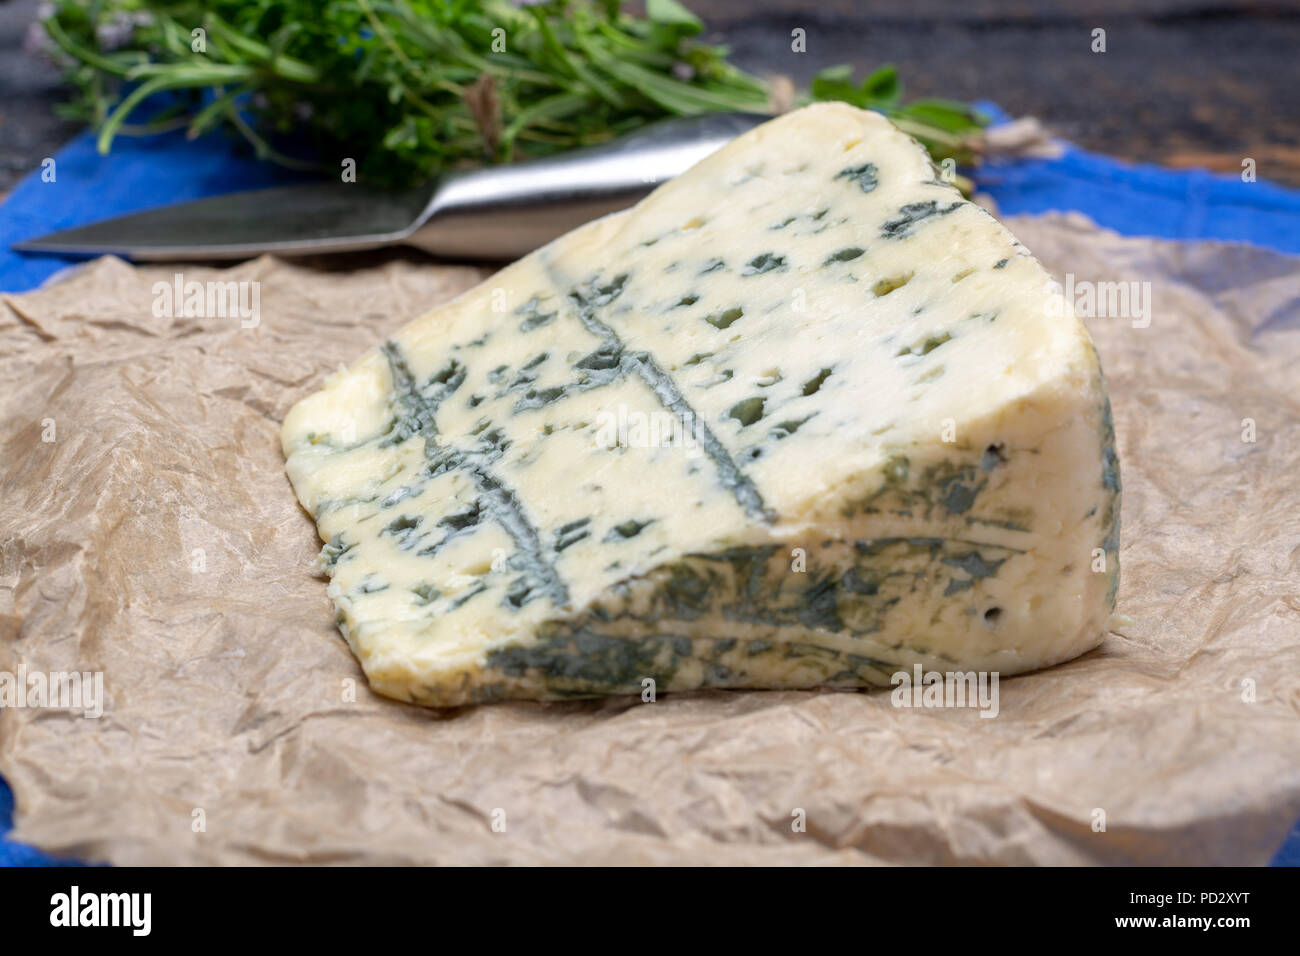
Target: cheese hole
(994,455)
(479,569)
(888,285)
(748,411)
(991,617)
(814,384)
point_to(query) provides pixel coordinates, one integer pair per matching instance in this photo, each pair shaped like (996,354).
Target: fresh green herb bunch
(411,87)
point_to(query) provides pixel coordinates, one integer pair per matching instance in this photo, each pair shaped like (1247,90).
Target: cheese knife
(492,213)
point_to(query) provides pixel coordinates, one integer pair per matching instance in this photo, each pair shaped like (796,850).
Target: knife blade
(493,213)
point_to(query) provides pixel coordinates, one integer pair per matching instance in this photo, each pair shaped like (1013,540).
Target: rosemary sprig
(411,87)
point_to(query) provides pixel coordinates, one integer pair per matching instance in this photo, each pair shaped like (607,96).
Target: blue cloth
(1143,200)
(140,173)
(18,854)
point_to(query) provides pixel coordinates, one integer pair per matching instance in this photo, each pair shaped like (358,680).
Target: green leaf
(883,84)
(673,14)
(841,73)
(833,83)
(880,90)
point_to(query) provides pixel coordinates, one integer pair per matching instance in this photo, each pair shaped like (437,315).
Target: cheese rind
(803,417)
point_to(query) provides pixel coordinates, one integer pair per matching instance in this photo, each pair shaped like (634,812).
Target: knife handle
(503,212)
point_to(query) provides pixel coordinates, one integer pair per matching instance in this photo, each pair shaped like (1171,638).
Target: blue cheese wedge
(803,417)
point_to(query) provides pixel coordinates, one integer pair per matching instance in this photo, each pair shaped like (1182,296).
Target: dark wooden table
(1182,82)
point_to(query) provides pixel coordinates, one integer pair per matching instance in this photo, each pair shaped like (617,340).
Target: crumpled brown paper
(157,540)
